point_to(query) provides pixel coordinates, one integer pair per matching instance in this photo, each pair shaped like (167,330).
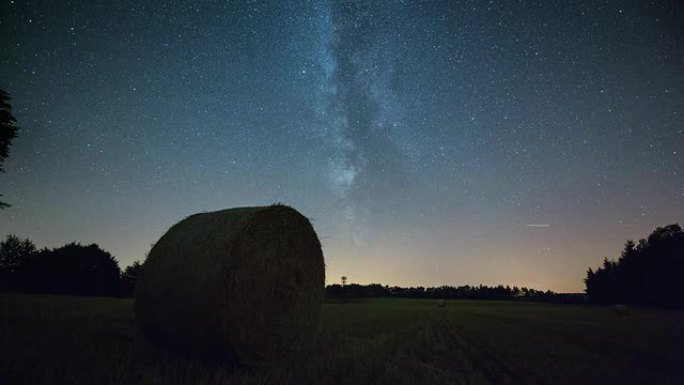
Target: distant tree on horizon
(355,291)
(8,132)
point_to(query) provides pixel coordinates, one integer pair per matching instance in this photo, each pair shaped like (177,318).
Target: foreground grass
(80,340)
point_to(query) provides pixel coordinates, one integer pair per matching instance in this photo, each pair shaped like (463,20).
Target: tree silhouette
(71,269)
(355,291)
(129,278)
(647,273)
(8,131)
(13,251)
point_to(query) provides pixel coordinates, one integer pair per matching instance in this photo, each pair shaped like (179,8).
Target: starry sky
(431,142)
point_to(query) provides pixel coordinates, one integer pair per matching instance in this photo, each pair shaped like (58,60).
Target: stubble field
(90,340)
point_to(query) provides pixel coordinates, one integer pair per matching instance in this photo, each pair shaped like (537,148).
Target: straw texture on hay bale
(247,282)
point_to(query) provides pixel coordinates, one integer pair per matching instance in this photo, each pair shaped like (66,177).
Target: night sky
(431,142)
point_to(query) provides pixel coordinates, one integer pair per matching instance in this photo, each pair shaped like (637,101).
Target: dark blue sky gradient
(422,137)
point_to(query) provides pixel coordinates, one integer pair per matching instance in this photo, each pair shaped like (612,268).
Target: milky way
(431,142)
(359,112)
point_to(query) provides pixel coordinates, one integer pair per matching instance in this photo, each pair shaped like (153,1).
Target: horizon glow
(431,143)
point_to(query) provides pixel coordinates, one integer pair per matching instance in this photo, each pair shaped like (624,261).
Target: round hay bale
(247,282)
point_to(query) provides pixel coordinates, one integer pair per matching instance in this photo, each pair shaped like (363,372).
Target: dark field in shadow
(86,340)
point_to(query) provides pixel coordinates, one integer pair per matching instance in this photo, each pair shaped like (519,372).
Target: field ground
(87,340)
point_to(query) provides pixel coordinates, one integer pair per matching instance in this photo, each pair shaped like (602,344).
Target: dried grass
(246,282)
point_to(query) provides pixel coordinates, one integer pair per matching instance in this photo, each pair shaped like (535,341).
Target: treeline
(72,269)
(650,273)
(338,292)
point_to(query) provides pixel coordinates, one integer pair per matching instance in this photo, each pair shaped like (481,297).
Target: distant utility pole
(344,280)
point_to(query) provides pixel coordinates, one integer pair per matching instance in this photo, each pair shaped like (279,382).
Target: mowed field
(87,340)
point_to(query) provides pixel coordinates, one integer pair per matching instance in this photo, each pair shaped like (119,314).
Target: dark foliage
(71,269)
(129,278)
(355,291)
(13,252)
(646,274)
(8,131)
